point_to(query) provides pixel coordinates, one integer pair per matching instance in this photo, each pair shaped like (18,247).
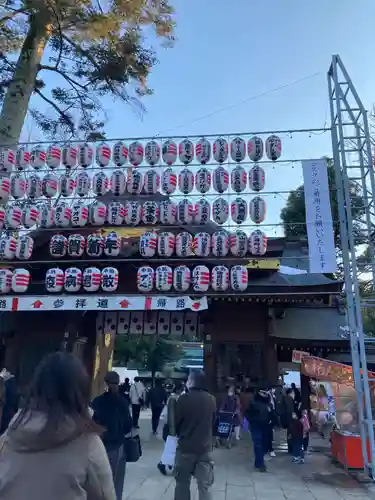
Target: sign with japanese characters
(298,355)
(322,255)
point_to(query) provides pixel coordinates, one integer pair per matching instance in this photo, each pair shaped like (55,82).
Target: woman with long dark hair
(52,448)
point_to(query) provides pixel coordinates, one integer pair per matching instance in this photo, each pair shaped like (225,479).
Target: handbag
(169,453)
(132,449)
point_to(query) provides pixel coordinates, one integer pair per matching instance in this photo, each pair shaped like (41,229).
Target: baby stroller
(224,427)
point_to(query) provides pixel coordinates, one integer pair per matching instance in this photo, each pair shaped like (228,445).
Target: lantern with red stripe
(70,155)
(169,152)
(203,180)
(72,279)
(145,279)
(273,147)
(238,243)
(202,244)
(58,246)
(255,148)
(7,160)
(148,243)
(168,181)
(134,184)
(118,182)
(220,278)
(257,209)
(220,243)
(100,184)
(76,245)
(14,216)
(8,247)
(239,278)
(133,213)
(110,277)
(95,245)
(98,213)
(136,153)
(5,280)
(53,156)
(238,149)
(238,179)
(151,182)
(258,243)
(18,186)
(181,278)
(4,189)
(66,185)
(184,243)
(83,183)
(46,216)
(34,186)
(166,244)
(150,212)
(80,215)
(115,213)
(54,280)
(37,157)
(185,211)
(25,245)
(220,180)
(203,151)
(163,278)
(167,212)
(257,178)
(120,154)
(186,181)
(22,158)
(91,280)
(85,155)
(103,154)
(63,215)
(49,185)
(221,150)
(112,244)
(2,217)
(186,151)
(238,210)
(220,211)
(31,216)
(202,210)
(20,280)
(152,153)
(201,279)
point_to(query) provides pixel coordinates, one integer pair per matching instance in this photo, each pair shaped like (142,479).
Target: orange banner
(328,371)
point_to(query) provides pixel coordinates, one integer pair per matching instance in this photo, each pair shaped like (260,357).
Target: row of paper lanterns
(73,280)
(71,155)
(199,279)
(16,281)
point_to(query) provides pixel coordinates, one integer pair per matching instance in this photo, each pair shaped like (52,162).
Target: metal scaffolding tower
(355,181)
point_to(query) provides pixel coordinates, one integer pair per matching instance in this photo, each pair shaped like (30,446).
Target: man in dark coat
(156,399)
(258,416)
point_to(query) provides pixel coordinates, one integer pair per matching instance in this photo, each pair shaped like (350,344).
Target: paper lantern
(118,182)
(4,189)
(8,247)
(166,244)
(255,148)
(167,212)
(238,210)
(273,147)
(186,151)
(91,280)
(25,245)
(103,154)
(136,153)
(112,244)
(220,243)
(148,243)
(76,245)
(115,213)
(169,152)
(69,155)
(220,211)
(150,212)
(5,280)
(134,183)
(54,280)
(151,182)
(163,278)
(152,153)
(98,213)
(203,180)
(202,244)
(85,155)
(7,160)
(257,209)
(100,184)
(202,210)
(120,154)
(82,183)
(258,243)
(20,280)
(110,277)
(31,216)
(2,217)
(66,185)
(186,181)
(220,150)
(220,278)
(58,246)
(62,215)
(238,179)
(185,211)
(94,245)
(239,278)
(18,186)
(49,185)
(46,216)
(168,181)
(181,278)
(34,186)
(53,156)
(133,213)
(238,149)
(37,157)
(22,158)
(184,243)
(14,216)
(238,243)
(201,279)
(257,178)
(80,215)
(72,279)
(145,279)
(220,180)
(203,151)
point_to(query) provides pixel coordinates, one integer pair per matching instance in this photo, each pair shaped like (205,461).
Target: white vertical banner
(322,254)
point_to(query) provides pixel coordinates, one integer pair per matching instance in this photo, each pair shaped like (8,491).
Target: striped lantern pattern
(91,280)
(95,245)
(5,280)
(184,242)
(120,154)
(14,216)
(220,211)
(62,215)
(201,279)
(203,151)
(37,157)
(166,244)
(76,245)
(85,155)
(49,185)
(202,244)
(31,216)
(20,280)
(238,243)
(22,158)
(163,278)
(58,246)
(239,278)
(145,279)
(53,156)
(34,186)
(257,209)
(8,247)
(221,150)
(255,148)
(257,243)
(220,179)
(167,212)
(100,184)
(103,155)
(168,181)
(151,182)
(220,278)
(257,178)
(117,182)
(83,184)
(2,217)
(66,185)
(72,279)
(110,279)
(186,181)
(152,153)
(238,179)
(133,213)
(185,211)
(70,155)
(4,189)
(17,186)
(220,243)
(80,215)
(150,212)
(169,152)
(46,216)
(181,278)
(273,147)
(202,211)
(25,246)
(148,243)
(54,280)
(134,183)
(238,210)
(115,213)
(186,151)
(112,244)
(238,149)
(7,160)
(136,153)
(203,180)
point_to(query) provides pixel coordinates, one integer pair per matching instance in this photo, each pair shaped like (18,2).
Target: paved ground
(235,478)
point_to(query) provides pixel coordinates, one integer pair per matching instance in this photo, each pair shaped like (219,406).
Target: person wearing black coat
(257,414)
(296,434)
(156,399)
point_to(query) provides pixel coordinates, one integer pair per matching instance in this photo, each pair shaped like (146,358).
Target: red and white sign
(298,355)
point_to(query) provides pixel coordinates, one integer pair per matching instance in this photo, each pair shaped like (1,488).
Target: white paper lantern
(91,280)
(201,279)
(100,184)
(220,150)
(220,243)
(53,156)
(238,210)
(220,179)
(120,154)
(186,181)
(202,211)
(273,147)
(257,209)
(76,245)
(257,178)
(85,155)
(66,185)
(82,183)
(34,186)
(166,244)
(4,189)
(72,279)
(37,157)
(167,212)
(14,216)
(80,215)
(7,160)
(18,186)
(150,212)
(136,153)
(95,245)
(133,213)
(169,152)
(70,155)
(203,151)
(22,158)
(103,154)
(134,183)
(49,185)
(220,211)
(145,279)
(258,243)
(5,280)
(152,153)
(163,278)
(238,243)
(186,151)
(184,245)
(115,213)
(112,244)
(220,278)
(58,246)
(62,215)
(118,182)
(202,244)
(185,211)
(148,243)
(238,179)
(151,182)
(8,247)
(168,181)
(238,149)
(20,280)
(255,148)
(181,278)
(203,180)
(46,216)
(54,280)
(110,277)
(239,278)
(25,245)
(98,213)
(2,217)
(31,216)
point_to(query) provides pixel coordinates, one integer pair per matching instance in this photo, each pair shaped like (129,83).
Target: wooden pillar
(102,354)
